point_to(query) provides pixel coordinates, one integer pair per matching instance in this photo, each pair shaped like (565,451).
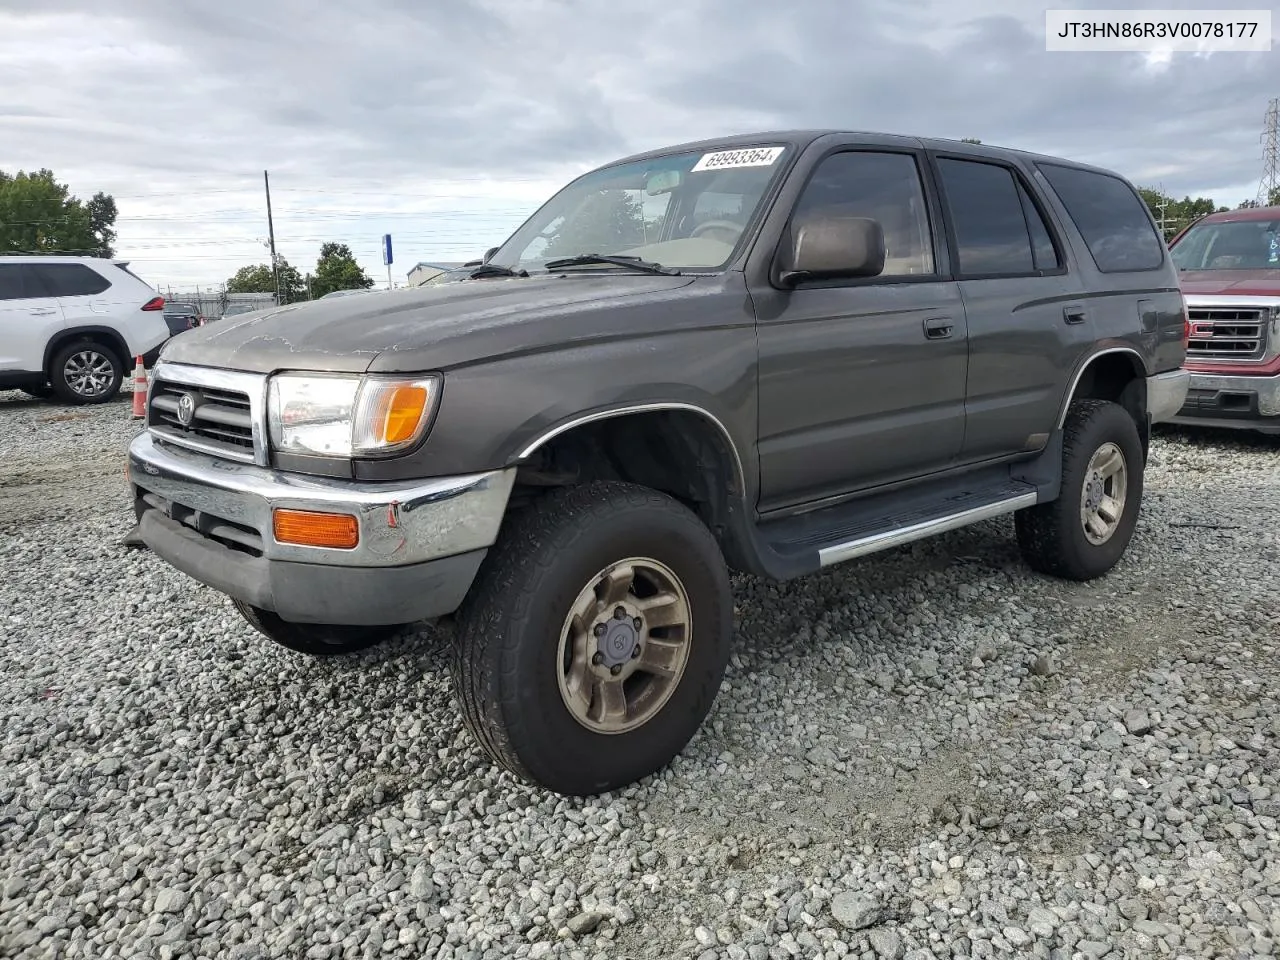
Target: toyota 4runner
(769,353)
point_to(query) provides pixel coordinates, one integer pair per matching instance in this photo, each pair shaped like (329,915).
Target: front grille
(1228,333)
(235,536)
(220,422)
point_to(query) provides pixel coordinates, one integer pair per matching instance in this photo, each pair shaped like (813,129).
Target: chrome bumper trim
(1267,388)
(1166,393)
(400,523)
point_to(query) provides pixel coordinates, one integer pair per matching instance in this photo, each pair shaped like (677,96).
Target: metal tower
(1270,154)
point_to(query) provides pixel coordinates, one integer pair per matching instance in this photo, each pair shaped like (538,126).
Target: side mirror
(831,248)
(489,254)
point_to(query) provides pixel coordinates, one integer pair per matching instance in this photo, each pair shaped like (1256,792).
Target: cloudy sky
(445,122)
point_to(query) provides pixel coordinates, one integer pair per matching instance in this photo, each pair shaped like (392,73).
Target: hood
(430,327)
(1235,283)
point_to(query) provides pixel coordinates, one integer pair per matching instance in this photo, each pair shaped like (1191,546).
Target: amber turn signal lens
(311,529)
(403,409)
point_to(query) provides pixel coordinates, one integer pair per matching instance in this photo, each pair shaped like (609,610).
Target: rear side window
(1110,216)
(70,279)
(11,285)
(988,219)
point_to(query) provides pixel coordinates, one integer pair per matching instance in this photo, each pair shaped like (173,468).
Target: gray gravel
(932,753)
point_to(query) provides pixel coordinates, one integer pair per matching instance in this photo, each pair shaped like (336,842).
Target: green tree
(255,279)
(258,279)
(337,269)
(1175,215)
(606,222)
(39,215)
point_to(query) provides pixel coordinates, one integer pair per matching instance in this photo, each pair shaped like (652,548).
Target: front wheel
(1084,532)
(316,639)
(595,639)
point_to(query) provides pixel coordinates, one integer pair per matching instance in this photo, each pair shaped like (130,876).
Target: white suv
(70,326)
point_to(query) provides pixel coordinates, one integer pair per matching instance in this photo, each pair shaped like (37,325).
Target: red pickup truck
(1229,268)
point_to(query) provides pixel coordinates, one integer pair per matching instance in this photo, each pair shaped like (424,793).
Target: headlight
(349,416)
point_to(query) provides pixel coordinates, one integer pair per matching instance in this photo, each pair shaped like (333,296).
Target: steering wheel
(708,225)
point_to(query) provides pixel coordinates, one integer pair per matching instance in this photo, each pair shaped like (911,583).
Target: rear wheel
(85,372)
(1086,530)
(316,639)
(594,641)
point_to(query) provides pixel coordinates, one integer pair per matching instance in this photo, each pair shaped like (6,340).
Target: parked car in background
(811,347)
(1229,269)
(235,309)
(70,326)
(181,316)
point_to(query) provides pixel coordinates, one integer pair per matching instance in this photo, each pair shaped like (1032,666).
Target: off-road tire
(504,664)
(315,639)
(1051,535)
(64,391)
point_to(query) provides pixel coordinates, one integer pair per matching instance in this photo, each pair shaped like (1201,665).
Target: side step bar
(887,539)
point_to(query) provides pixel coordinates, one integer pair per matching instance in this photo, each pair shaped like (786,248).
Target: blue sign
(386,249)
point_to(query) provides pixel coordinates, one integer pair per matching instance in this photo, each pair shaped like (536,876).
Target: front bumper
(420,543)
(1240,402)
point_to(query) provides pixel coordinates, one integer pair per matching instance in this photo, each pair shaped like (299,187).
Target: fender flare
(739,475)
(1140,364)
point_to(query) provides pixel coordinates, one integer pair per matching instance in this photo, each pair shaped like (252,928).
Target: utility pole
(271,238)
(1163,219)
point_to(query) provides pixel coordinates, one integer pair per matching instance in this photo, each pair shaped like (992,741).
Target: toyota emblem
(186,409)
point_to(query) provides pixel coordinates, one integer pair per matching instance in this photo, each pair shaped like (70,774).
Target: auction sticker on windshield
(752,157)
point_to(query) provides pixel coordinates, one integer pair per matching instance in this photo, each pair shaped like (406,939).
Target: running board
(888,539)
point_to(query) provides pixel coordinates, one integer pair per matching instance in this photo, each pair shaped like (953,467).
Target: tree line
(336,269)
(1175,215)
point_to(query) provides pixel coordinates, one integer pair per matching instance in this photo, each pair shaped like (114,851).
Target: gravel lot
(931,753)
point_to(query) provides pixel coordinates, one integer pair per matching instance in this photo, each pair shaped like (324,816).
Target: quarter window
(1111,217)
(1043,251)
(70,279)
(885,187)
(11,285)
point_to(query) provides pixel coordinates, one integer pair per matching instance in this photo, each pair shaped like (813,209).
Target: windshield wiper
(495,270)
(647,266)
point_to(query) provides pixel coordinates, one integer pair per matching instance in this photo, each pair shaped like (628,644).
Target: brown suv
(771,353)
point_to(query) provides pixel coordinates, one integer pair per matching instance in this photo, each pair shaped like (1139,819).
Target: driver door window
(885,187)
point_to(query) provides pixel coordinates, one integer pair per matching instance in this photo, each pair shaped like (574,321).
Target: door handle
(1073,314)
(938,328)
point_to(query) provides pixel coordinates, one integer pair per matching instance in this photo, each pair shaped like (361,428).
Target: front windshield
(1233,245)
(685,211)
